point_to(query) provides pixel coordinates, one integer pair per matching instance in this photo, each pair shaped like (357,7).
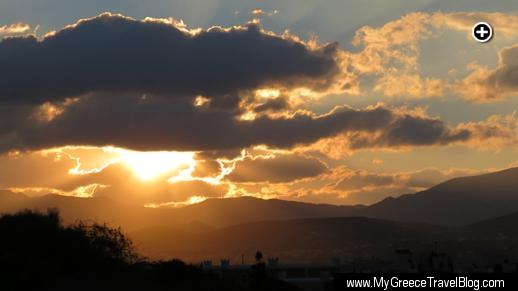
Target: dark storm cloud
(112,53)
(158,123)
(126,77)
(213,155)
(413,130)
(283,168)
(409,130)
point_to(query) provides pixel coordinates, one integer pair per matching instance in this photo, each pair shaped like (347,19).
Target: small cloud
(485,85)
(16,28)
(257,12)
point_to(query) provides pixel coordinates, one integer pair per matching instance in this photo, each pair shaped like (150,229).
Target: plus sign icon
(482,32)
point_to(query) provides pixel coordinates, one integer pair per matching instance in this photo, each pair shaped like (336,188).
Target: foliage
(38,252)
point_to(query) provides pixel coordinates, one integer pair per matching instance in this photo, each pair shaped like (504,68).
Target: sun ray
(151,165)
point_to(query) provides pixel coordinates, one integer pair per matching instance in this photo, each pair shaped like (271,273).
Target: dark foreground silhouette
(37,252)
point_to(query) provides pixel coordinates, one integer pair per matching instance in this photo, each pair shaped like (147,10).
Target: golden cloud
(391,53)
(16,28)
(489,85)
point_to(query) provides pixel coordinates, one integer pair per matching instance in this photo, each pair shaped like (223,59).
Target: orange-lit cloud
(256,173)
(505,23)
(13,29)
(343,185)
(244,124)
(414,128)
(487,85)
(493,133)
(392,53)
(265,59)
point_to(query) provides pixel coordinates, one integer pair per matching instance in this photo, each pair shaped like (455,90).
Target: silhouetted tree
(108,241)
(258,256)
(37,252)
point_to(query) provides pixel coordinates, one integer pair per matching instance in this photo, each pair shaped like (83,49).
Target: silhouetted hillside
(210,213)
(10,201)
(455,202)
(321,239)
(347,234)
(229,211)
(99,209)
(38,252)
(497,228)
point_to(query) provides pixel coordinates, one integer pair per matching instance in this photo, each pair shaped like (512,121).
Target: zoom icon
(482,32)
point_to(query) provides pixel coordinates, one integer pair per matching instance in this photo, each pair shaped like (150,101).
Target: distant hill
(320,239)
(455,202)
(210,213)
(459,201)
(229,211)
(499,228)
(10,201)
(72,209)
(297,238)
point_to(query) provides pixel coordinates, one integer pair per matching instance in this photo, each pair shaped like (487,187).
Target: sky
(168,103)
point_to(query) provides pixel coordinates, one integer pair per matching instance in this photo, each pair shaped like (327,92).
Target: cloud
(206,168)
(368,188)
(503,23)
(494,132)
(343,185)
(157,123)
(361,180)
(276,104)
(277,169)
(113,80)
(364,187)
(257,12)
(391,52)
(406,128)
(13,29)
(415,129)
(284,176)
(486,85)
(260,12)
(120,183)
(411,130)
(113,53)
(33,170)
(429,177)
(390,55)
(373,195)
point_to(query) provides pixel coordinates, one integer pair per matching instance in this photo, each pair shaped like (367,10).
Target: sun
(151,165)
(146,166)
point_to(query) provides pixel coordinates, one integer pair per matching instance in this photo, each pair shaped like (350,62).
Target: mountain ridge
(459,201)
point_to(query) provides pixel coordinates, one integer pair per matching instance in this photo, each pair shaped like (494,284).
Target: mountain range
(483,207)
